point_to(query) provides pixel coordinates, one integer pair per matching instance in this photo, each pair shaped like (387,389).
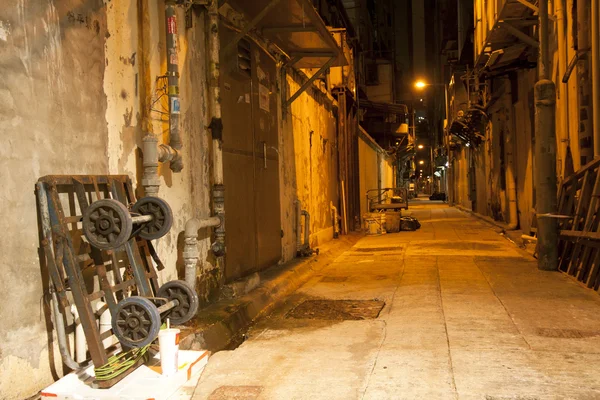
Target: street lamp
(420,84)
(421,162)
(420,146)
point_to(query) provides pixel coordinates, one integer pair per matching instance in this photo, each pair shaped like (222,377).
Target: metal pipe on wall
(190,248)
(173,85)
(216,128)
(564,136)
(545,154)
(58,319)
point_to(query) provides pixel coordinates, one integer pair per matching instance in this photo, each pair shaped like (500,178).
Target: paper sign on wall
(263,98)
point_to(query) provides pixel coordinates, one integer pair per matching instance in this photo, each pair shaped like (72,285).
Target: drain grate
(236,393)
(566,333)
(371,249)
(337,310)
(334,279)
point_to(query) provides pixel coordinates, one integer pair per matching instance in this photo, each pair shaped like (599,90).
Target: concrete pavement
(467,316)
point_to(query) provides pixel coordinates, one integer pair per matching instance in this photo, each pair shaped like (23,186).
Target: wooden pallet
(579,236)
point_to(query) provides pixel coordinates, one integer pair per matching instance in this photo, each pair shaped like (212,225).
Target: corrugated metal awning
(509,39)
(296,28)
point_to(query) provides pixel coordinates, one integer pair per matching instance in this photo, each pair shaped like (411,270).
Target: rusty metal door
(268,219)
(253,222)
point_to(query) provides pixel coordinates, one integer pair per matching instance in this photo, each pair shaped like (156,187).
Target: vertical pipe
(545,154)
(583,77)
(298,225)
(173,85)
(80,343)
(596,75)
(563,131)
(216,128)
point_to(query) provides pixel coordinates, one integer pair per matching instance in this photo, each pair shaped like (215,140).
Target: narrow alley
(299,199)
(466,315)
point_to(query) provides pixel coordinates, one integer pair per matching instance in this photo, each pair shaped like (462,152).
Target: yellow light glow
(420,146)
(420,84)
(421,162)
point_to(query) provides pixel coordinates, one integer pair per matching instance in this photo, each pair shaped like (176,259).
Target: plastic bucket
(168,343)
(374,223)
(392,222)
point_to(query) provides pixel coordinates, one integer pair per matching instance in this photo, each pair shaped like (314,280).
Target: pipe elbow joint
(218,248)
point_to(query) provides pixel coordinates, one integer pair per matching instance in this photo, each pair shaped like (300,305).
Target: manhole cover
(566,333)
(334,279)
(236,393)
(337,310)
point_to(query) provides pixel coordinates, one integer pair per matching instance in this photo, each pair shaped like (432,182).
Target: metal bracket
(249,26)
(534,8)
(309,82)
(519,34)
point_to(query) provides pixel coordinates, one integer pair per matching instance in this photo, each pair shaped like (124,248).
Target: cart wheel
(136,322)
(160,210)
(188,301)
(107,224)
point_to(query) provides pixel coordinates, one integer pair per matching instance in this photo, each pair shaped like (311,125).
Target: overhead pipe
(173,86)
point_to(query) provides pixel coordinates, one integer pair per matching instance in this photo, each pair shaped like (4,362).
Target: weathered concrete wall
(384,90)
(308,164)
(376,171)
(52,108)
(511,117)
(76,85)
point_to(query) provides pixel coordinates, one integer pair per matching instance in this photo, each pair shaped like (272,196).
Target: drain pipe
(190,249)
(80,342)
(298,226)
(511,180)
(336,230)
(216,128)
(563,132)
(57,316)
(173,85)
(153,153)
(306,215)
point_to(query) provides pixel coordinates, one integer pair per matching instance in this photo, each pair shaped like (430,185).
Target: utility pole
(545,154)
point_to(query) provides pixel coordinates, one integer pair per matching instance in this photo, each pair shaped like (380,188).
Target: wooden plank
(581,208)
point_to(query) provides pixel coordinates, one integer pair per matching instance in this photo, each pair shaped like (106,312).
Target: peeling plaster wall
(308,167)
(73,94)
(510,113)
(374,170)
(52,108)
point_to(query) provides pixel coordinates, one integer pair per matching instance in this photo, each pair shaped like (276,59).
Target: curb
(222,325)
(499,225)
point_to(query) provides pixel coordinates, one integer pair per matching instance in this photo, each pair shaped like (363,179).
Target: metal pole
(596,75)
(545,153)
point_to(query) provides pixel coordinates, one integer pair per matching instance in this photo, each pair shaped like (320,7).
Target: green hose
(120,363)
